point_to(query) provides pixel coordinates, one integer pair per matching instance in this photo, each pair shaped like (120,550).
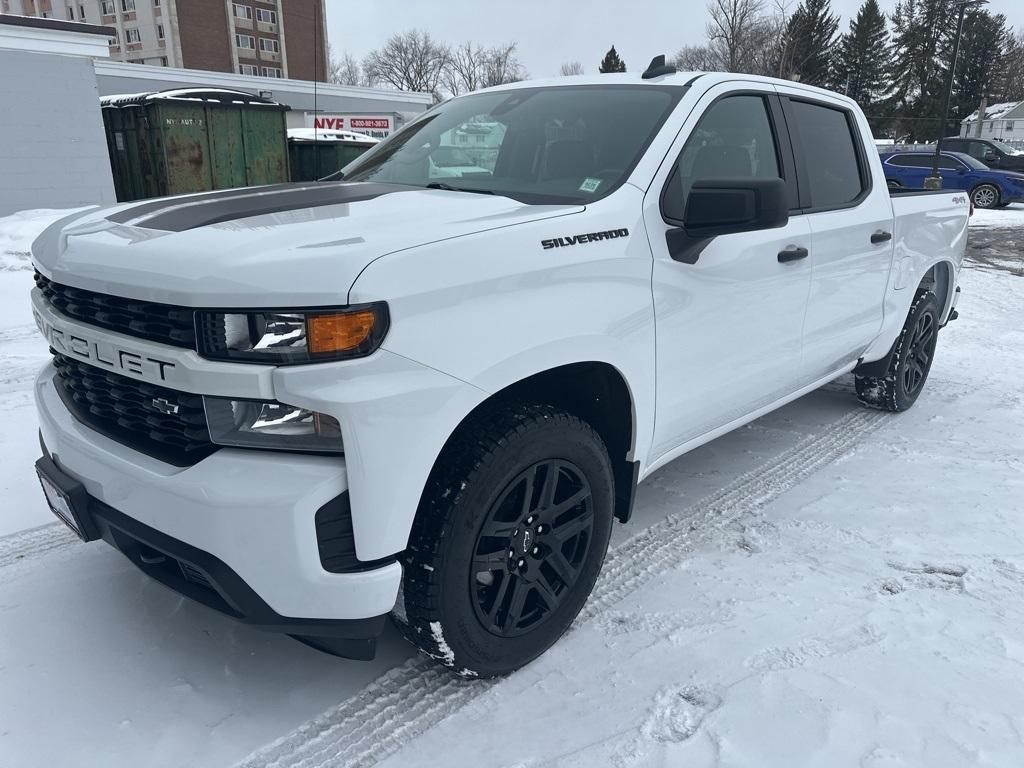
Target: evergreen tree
(983,62)
(807,43)
(922,39)
(862,60)
(611,62)
(1011,85)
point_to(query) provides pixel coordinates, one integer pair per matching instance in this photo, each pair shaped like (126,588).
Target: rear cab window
(830,154)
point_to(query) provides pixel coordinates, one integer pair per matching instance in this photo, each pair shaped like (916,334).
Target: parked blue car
(988,188)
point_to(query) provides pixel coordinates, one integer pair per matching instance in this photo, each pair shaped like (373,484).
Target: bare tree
(697,58)
(571,68)
(471,67)
(344,70)
(463,72)
(502,65)
(729,29)
(408,61)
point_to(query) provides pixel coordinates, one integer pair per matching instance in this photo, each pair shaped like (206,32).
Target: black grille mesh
(124,410)
(163,323)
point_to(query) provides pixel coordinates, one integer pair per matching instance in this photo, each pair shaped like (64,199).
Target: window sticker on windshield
(590,185)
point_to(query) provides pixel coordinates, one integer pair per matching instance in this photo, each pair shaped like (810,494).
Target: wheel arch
(939,279)
(596,392)
(1000,192)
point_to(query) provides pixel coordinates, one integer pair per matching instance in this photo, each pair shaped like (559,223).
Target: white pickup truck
(313,406)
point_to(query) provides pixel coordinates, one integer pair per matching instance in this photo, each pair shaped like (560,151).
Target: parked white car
(312,406)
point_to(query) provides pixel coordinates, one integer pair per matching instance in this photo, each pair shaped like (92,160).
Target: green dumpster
(193,140)
(314,154)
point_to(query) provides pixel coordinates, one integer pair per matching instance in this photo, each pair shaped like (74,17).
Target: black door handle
(792,254)
(881,237)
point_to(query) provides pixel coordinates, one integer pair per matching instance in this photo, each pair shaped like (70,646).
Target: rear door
(729,323)
(850,216)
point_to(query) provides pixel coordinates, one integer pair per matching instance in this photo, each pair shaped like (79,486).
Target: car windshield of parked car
(973,162)
(564,144)
(1003,147)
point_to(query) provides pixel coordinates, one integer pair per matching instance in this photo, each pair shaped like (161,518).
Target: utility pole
(934,181)
(981,116)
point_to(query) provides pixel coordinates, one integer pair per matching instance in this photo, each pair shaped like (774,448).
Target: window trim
(867,180)
(276,43)
(783,149)
(239,46)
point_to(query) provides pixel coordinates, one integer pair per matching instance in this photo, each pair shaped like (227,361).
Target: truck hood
(290,245)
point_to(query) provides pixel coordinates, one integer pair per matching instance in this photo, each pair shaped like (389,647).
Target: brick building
(265,38)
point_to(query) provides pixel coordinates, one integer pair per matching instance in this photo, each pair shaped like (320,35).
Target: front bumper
(198,575)
(251,512)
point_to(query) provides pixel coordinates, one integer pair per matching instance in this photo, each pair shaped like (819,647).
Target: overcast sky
(550,32)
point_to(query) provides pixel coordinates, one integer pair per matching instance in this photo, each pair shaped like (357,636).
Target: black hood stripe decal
(163,203)
(191,213)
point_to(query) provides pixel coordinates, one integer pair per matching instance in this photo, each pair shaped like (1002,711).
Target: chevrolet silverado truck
(314,406)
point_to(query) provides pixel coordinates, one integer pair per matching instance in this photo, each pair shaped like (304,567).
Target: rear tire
(985,196)
(509,539)
(911,360)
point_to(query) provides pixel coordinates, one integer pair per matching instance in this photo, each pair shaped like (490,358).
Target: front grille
(163,323)
(164,423)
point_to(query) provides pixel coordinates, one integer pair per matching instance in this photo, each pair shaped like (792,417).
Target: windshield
(1003,147)
(974,162)
(565,144)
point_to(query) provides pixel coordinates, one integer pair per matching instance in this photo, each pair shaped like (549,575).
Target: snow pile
(17,232)
(325,134)
(1010,217)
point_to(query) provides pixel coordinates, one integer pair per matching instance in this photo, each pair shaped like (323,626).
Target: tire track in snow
(35,542)
(406,701)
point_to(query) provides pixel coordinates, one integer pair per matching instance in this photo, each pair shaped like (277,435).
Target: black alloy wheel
(919,356)
(509,538)
(530,549)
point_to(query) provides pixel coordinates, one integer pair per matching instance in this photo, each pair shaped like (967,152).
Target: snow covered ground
(828,586)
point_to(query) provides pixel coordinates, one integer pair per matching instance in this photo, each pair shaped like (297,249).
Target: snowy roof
(994,111)
(207,95)
(322,134)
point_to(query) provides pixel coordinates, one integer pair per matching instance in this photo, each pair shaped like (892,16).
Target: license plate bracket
(67,498)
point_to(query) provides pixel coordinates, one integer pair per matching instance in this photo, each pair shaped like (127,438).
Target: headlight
(287,338)
(268,424)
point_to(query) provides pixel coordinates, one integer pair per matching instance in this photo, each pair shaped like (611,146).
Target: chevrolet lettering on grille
(103,354)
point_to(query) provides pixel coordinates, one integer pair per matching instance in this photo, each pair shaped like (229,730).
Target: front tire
(509,539)
(911,360)
(985,196)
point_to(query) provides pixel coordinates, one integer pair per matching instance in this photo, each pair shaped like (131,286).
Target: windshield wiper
(449,188)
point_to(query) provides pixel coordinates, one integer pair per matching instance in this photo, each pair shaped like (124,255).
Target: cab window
(832,163)
(734,139)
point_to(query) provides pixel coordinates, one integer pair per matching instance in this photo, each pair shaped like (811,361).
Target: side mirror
(726,206)
(990,155)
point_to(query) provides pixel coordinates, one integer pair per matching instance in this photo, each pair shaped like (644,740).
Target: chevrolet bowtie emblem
(165,406)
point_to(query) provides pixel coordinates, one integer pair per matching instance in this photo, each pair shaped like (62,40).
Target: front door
(728,324)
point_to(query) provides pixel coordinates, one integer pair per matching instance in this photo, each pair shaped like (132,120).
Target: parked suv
(406,393)
(992,152)
(988,188)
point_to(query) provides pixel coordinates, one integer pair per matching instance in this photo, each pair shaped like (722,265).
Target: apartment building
(262,38)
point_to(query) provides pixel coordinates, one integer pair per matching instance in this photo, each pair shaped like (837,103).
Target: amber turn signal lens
(338,333)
